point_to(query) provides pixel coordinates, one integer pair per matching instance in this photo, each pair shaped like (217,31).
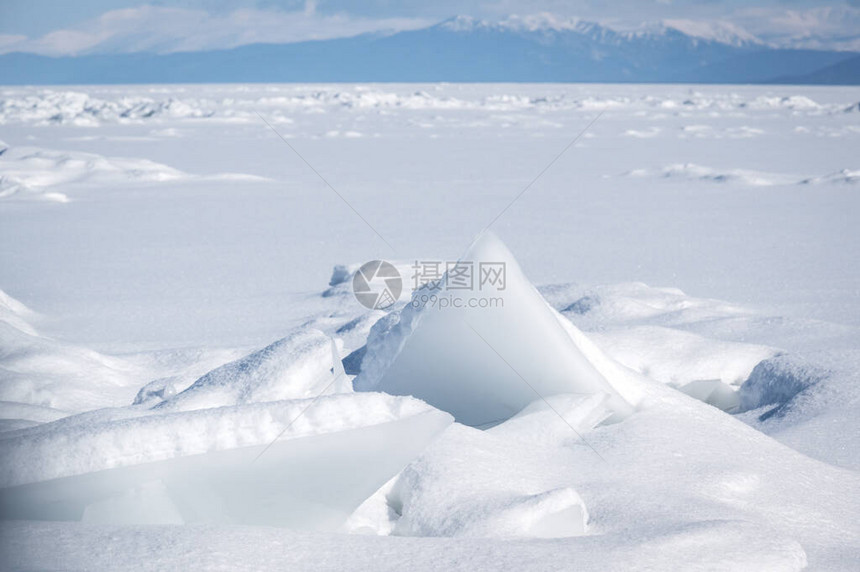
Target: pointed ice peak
(481,345)
(487,246)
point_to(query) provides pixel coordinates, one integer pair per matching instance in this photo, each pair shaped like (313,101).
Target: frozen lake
(166,316)
(741,193)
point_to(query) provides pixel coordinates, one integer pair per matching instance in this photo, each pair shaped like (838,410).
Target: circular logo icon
(377,285)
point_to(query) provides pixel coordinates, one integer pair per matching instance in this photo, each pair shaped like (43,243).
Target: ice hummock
(482,364)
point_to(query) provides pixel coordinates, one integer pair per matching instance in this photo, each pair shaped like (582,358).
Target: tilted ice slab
(301,463)
(194,456)
(482,364)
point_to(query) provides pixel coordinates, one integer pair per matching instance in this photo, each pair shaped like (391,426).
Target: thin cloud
(165,30)
(831,27)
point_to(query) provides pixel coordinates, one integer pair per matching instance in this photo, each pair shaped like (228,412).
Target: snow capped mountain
(824,28)
(542,22)
(549,24)
(721,32)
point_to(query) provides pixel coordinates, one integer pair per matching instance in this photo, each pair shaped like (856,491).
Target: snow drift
(466,485)
(295,367)
(35,173)
(44,373)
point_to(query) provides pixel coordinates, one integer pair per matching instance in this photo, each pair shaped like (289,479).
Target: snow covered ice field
(680,391)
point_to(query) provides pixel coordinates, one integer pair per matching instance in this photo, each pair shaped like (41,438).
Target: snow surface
(158,330)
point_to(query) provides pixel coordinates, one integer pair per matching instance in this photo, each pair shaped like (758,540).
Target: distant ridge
(531,49)
(844,72)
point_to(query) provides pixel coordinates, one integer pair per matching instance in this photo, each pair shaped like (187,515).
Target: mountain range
(464,49)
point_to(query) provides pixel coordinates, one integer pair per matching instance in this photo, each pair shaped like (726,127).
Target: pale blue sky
(85,26)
